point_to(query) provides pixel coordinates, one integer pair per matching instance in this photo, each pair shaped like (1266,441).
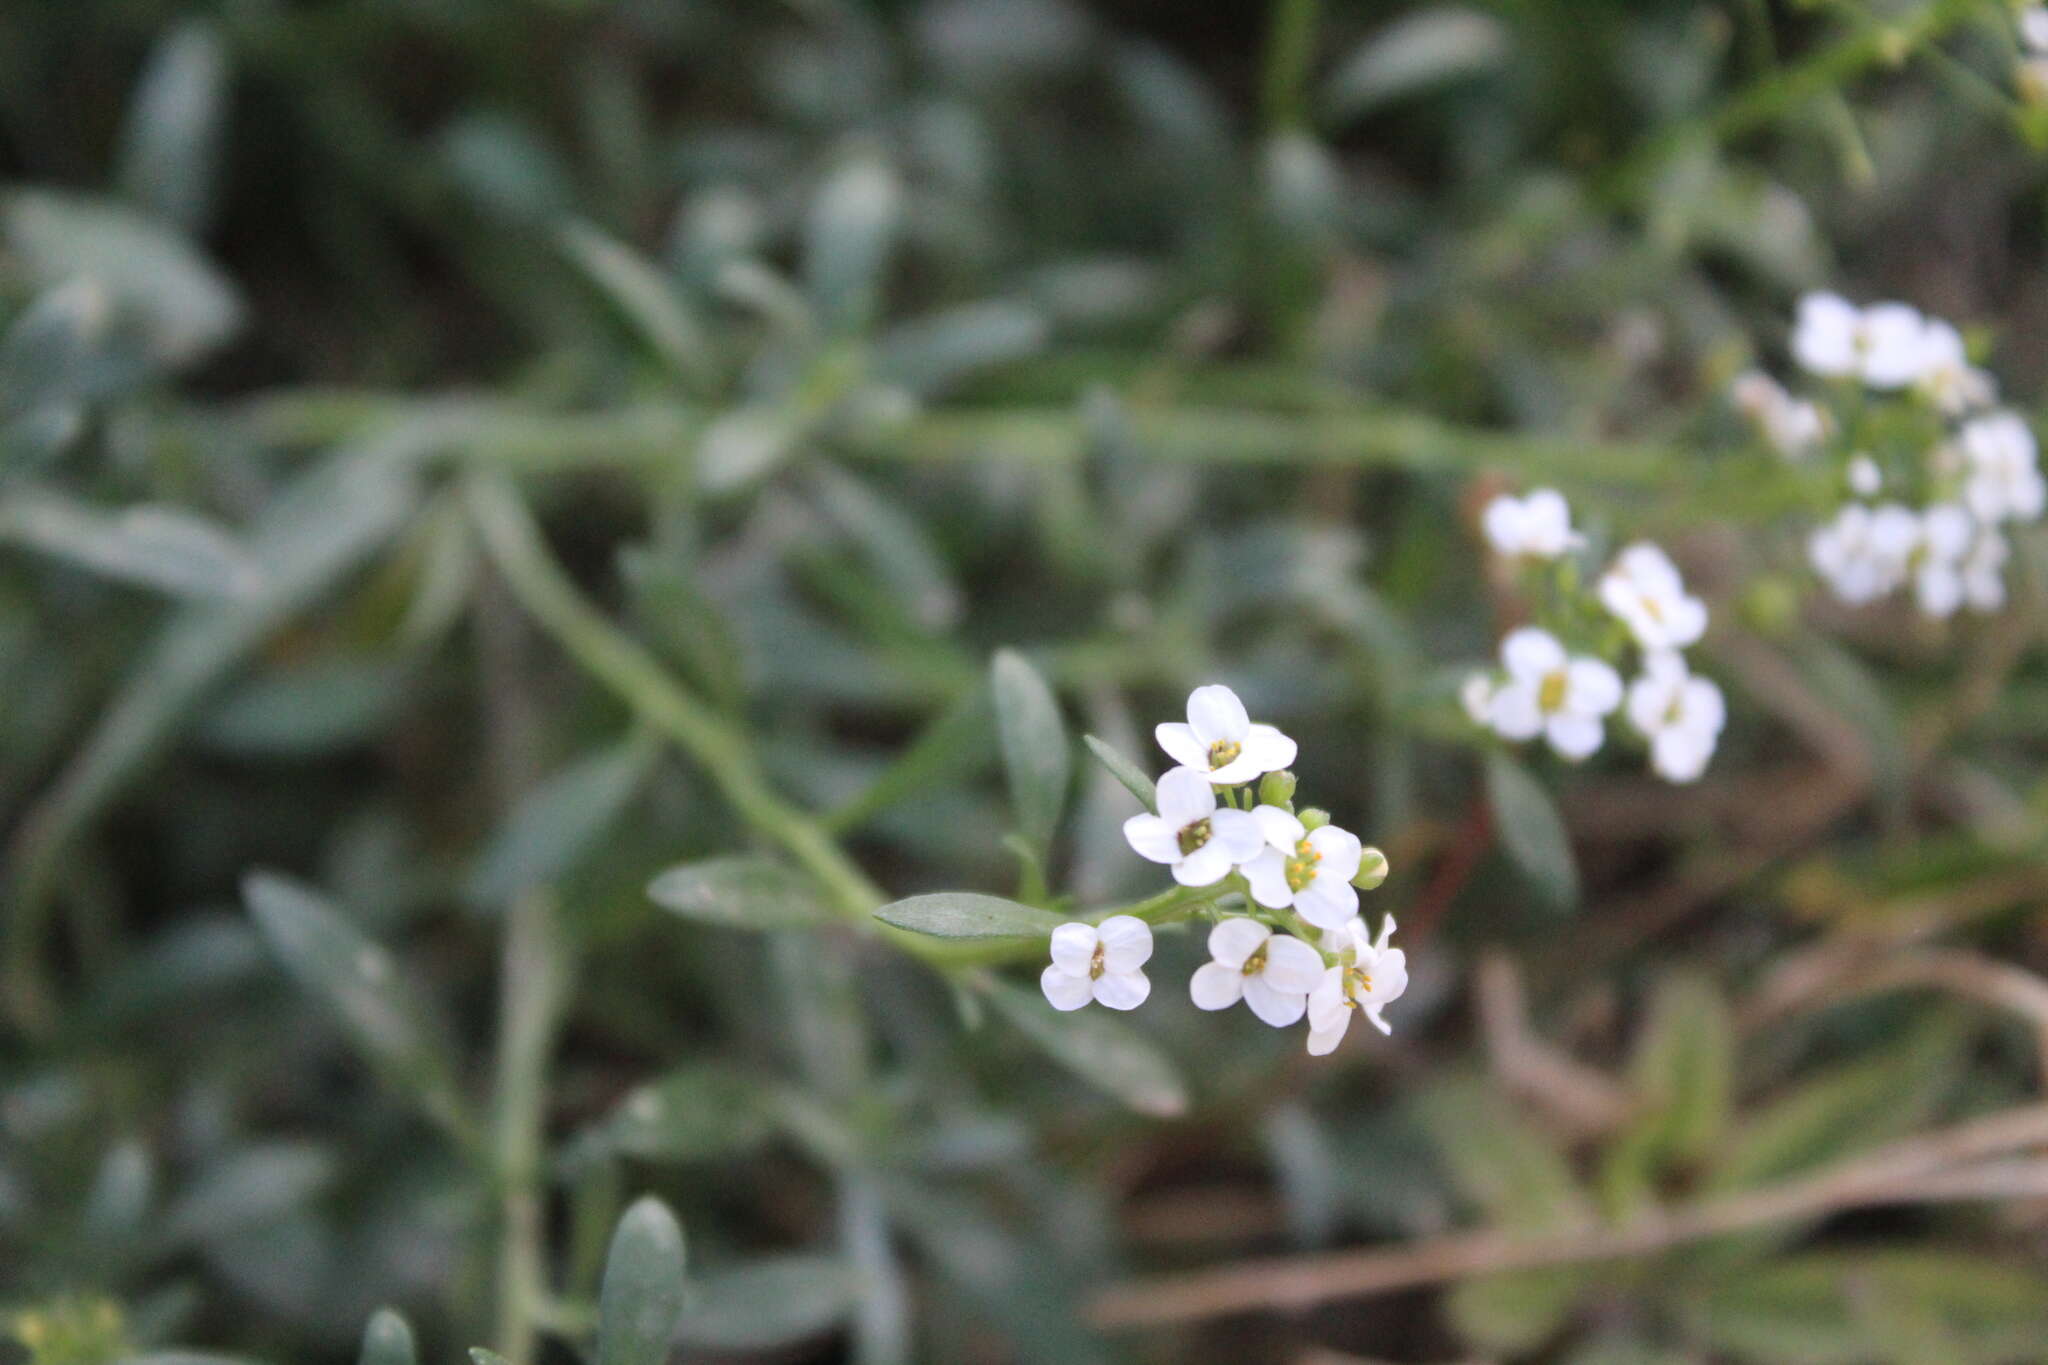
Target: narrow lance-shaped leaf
(969,915)
(644,295)
(554,824)
(387,1341)
(1104,1051)
(642,1295)
(741,892)
(158,547)
(1034,743)
(1532,831)
(169,146)
(1123,770)
(768,1304)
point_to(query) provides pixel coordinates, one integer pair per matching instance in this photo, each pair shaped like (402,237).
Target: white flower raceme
(1549,693)
(1644,590)
(1984,571)
(1310,870)
(1099,962)
(2004,481)
(1862,553)
(1200,842)
(1946,375)
(1272,973)
(1219,739)
(1538,526)
(1680,713)
(1882,345)
(1368,976)
(1794,427)
(1935,563)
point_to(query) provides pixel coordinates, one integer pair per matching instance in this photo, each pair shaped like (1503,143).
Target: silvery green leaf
(554,824)
(49,356)
(169,146)
(1421,49)
(1124,771)
(931,353)
(387,1340)
(741,892)
(122,1191)
(765,1304)
(1108,1053)
(852,225)
(895,542)
(325,705)
(969,915)
(1532,831)
(482,1356)
(642,1294)
(744,445)
(252,1186)
(1034,743)
(159,547)
(644,296)
(955,742)
(693,1113)
(505,169)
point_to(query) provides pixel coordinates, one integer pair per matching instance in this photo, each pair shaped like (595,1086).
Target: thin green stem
(1290,49)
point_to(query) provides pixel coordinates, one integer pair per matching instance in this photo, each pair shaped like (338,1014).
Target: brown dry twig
(1584,1101)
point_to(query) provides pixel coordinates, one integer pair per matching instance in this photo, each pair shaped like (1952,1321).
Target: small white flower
(1794,427)
(1946,375)
(1098,962)
(2033,21)
(1368,976)
(1551,694)
(1644,590)
(1862,553)
(2004,480)
(1272,973)
(1984,572)
(1200,842)
(1680,713)
(1538,526)
(1475,694)
(1220,740)
(1866,480)
(1308,870)
(1935,562)
(1881,344)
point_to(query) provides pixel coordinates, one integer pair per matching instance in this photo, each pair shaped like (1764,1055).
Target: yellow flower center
(1223,751)
(1301,868)
(1357,981)
(1095,967)
(1193,836)
(1256,963)
(1550,694)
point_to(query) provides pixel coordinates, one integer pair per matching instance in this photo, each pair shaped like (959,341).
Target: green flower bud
(1372,869)
(1313,818)
(1277,789)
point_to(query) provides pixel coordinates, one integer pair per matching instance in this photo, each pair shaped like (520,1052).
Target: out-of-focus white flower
(1272,973)
(1099,962)
(1475,694)
(1862,553)
(1866,480)
(1946,375)
(1794,427)
(1549,693)
(1368,977)
(1643,588)
(1984,571)
(1936,560)
(1200,842)
(1310,870)
(2033,24)
(1538,526)
(2004,480)
(1220,740)
(1680,713)
(1881,344)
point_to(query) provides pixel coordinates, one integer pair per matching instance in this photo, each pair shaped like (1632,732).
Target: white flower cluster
(1288,940)
(1933,470)
(1545,689)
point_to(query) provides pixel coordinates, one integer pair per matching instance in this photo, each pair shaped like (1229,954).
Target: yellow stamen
(1550,695)
(1301,868)
(1223,751)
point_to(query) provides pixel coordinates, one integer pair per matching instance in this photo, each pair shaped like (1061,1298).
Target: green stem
(529,1007)
(1290,49)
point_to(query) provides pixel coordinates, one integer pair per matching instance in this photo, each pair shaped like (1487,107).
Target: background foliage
(461,459)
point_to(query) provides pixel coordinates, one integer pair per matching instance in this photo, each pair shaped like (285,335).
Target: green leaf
(953,743)
(1531,830)
(1498,1160)
(1123,770)
(691,1114)
(767,1304)
(741,892)
(968,914)
(387,1341)
(169,151)
(1421,49)
(251,1187)
(1099,1048)
(51,356)
(646,298)
(931,353)
(325,705)
(158,547)
(1684,1068)
(1034,743)
(1516,1312)
(642,1295)
(846,242)
(481,1356)
(358,979)
(553,825)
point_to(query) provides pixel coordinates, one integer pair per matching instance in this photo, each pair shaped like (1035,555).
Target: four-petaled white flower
(1367,976)
(2004,478)
(1547,692)
(1310,870)
(1644,590)
(1099,962)
(1538,526)
(1883,345)
(1220,741)
(1679,713)
(1935,562)
(1863,552)
(1200,842)
(1272,973)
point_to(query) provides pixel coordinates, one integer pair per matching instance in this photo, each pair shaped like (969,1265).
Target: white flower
(1539,526)
(1308,870)
(1200,842)
(1475,694)
(1221,741)
(1984,572)
(1936,560)
(1866,480)
(1098,962)
(1881,345)
(1368,976)
(1679,713)
(1793,426)
(1862,553)
(2033,21)
(1946,375)
(1551,694)
(1272,973)
(1644,590)
(2004,480)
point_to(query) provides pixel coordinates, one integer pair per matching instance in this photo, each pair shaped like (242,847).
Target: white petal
(1185,796)
(1547,523)
(1323,1041)
(1350,934)
(1065,990)
(1475,694)
(1267,875)
(1268,749)
(1517,712)
(1126,942)
(1153,838)
(1181,745)
(1379,1021)
(1073,947)
(1685,621)
(1592,687)
(1237,772)
(1326,1003)
(1824,336)
(1207,864)
(1217,715)
(1529,654)
(1281,830)
(1326,902)
(1680,754)
(1234,940)
(1505,524)
(1388,971)
(1341,851)
(1278,1008)
(1573,737)
(1215,986)
(1292,965)
(1122,990)
(1238,833)
(1704,706)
